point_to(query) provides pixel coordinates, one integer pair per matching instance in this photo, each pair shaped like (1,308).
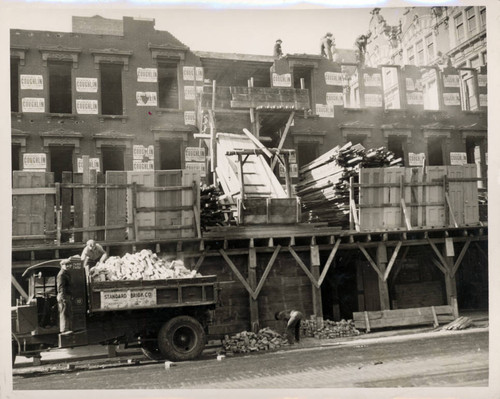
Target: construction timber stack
(324,184)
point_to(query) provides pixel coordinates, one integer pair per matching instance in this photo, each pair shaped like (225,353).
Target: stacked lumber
(211,210)
(324,183)
(329,329)
(245,341)
(143,265)
(458,324)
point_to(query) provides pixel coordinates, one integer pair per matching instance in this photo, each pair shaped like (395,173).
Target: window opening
(396,144)
(306,153)
(471,20)
(16,158)
(351,86)
(390,82)
(420,52)
(430,89)
(303,73)
(482,16)
(111,89)
(435,152)
(168,87)
(430,48)
(411,55)
(60,99)
(14,84)
(170,155)
(112,158)
(61,160)
(459,27)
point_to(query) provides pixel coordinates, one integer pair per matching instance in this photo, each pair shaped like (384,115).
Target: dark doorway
(435,152)
(16,158)
(60,87)
(61,160)
(306,153)
(170,155)
(396,145)
(112,158)
(111,89)
(168,88)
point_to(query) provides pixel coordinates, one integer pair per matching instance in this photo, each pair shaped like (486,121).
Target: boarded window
(168,86)
(14,84)
(60,88)
(111,89)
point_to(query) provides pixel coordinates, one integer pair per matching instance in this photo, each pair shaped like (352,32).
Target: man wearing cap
(277,53)
(63,280)
(293,318)
(92,254)
(326,46)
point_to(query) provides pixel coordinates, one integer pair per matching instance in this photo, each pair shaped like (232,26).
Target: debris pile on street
(330,329)
(323,185)
(461,323)
(211,211)
(143,265)
(245,341)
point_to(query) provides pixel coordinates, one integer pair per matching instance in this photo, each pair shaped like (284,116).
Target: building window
(475,62)
(471,21)
(61,160)
(420,52)
(111,89)
(14,84)
(397,144)
(304,73)
(468,91)
(391,88)
(307,152)
(429,42)
(16,157)
(430,90)
(60,101)
(435,152)
(482,16)
(112,158)
(168,86)
(459,27)
(170,154)
(485,58)
(411,56)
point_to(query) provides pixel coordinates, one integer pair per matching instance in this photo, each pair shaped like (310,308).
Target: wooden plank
(66,194)
(392,260)
(370,260)
(87,207)
(283,138)
(316,289)
(34,190)
(115,205)
(252,281)
(450,210)
(329,262)
(19,288)
(440,266)
(78,206)
(304,267)
(101,207)
(266,271)
(236,271)
(437,252)
(257,143)
(167,179)
(460,257)
(434,316)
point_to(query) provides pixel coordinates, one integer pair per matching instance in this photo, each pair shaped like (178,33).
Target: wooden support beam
(283,138)
(383,287)
(450,210)
(460,257)
(266,271)
(329,262)
(304,267)
(439,266)
(437,252)
(481,251)
(316,290)
(18,287)
(370,260)
(252,280)
(236,271)
(200,261)
(258,143)
(392,261)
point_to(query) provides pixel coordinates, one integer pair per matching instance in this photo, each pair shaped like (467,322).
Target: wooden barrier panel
(116,206)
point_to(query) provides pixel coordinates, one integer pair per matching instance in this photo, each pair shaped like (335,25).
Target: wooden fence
(117,206)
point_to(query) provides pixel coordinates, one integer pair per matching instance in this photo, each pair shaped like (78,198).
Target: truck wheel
(181,338)
(152,352)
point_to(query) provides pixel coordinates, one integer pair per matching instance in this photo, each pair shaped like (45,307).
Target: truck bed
(147,294)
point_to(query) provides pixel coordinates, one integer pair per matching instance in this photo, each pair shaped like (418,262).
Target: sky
(249,31)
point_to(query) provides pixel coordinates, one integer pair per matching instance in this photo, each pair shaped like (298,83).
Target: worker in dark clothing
(360,44)
(277,53)
(64,298)
(92,254)
(326,46)
(292,318)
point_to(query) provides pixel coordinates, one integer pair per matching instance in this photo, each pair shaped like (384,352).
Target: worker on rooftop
(326,44)
(277,52)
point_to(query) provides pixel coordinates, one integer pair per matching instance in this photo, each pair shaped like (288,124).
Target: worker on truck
(92,254)
(292,318)
(64,298)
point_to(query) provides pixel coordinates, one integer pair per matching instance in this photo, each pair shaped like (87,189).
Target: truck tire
(181,338)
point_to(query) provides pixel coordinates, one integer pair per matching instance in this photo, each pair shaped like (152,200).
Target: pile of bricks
(245,341)
(328,329)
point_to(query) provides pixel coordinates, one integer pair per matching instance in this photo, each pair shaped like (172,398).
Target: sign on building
(33,104)
(325,111)
(189,118)
(458,158)
(334,98)
(94,164)
(334,79)
(35,162)
(372,80)
(373,100)
(146,99)
(483,100)
(189,92)
(188,73)
(140,151)
(451,81)
(451,98)
(415,98)
(416,159)
(86,85)
(195,154)
(284,80)
(31,82)
(147,75)
(482,80)
(87,107)
(293,167)
(198,167)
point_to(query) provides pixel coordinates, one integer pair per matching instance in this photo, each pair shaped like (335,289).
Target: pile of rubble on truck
(143,265)
(323,185)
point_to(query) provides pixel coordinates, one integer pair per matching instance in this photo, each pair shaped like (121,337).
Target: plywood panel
(168,178)
(371,217)
(392,216)
(435,214)
(143,199)
(464,195)
(189,199)
(116,206)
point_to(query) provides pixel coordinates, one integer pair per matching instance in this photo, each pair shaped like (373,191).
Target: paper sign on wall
(335,98)
(86,85)
(482,80)
(87,107)
(147,75)
(293,168)
(372,80)
(189,92)
(451,81)
(458,158)
(416,159)
(198,167)
(142,166)
(410,85)
(146,99)
(483,100)
(373,100)
(31,82)
(94,164)
(33,104)
(415,98)
(188,73)
(325,111)
(334,78)
(195,154)
(35,162)
(284,80)
(451,98)
(140,152)
(189,118)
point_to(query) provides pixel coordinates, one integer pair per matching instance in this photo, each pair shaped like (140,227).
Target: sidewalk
(98,354)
